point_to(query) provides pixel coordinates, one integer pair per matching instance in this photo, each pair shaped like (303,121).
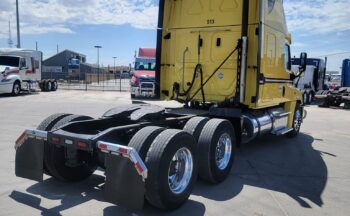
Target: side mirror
(303,60)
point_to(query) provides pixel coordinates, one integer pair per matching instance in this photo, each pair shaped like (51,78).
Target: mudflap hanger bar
(127,152)
(35,134)
(125,176)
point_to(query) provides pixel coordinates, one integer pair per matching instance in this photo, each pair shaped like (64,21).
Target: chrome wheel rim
(223,151)
(297,119)
(180,170)
(16,89)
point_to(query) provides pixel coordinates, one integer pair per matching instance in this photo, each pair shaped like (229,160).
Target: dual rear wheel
(48,85)
(175,158)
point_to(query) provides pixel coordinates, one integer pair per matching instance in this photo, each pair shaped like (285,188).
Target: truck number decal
(210,21)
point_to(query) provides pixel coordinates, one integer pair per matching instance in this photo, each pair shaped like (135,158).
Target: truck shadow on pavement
(289,166)
(22,94)
(71,195)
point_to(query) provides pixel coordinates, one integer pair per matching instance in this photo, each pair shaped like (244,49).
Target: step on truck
(229,64)
(20,70)
(341,95)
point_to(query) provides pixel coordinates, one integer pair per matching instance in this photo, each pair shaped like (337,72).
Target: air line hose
(216,70)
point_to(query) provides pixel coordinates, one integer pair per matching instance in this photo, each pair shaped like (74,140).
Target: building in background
(66,65)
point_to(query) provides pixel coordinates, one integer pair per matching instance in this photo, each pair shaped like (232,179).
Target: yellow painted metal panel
(215,20)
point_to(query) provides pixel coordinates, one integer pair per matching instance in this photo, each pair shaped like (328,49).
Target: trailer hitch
(125,175)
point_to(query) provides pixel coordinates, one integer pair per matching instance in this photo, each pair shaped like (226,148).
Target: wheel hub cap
(297,120)
(223,151)
(16,88)
(180,170)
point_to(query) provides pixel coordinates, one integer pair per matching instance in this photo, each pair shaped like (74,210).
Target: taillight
(82,144)
(103,146)
(55,139)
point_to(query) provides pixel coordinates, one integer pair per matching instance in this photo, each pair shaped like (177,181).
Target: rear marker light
(21,139)
(138,168)
(123,151)
(102,146)
(55,139)
(82,145)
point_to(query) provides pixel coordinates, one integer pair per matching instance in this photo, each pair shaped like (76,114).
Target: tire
(143,139)
(311,97)
(133,96)
(159,161)
(47,125)
(320,92)
(306,98)
(297,120)
(195,125)
(42,85)
(325,92)
(16,88)
(48,86)
(54,85)
(55,158)
(50,121)
(209,169)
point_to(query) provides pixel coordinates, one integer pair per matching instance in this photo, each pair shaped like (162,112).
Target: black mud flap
(29,160)
(124,186)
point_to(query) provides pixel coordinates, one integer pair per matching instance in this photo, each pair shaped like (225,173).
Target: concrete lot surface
(308,175)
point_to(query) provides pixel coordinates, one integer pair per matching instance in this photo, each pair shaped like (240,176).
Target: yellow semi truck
(227,61)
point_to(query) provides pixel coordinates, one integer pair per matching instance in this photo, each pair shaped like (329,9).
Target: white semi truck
(312,80)
(20,70)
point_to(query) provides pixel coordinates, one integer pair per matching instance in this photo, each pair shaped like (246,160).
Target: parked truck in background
(143,79)
(341,95)
(230,67)
(312,80)
(20,70)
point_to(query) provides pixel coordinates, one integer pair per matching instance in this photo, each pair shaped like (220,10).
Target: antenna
(10,42)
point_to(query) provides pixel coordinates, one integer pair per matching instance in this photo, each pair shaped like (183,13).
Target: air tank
(346,73)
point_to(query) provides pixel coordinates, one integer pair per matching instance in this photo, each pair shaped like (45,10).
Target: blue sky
(318,27)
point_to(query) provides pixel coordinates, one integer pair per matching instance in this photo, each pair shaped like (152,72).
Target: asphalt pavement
(308,175)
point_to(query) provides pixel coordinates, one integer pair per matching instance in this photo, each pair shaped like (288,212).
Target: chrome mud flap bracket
(125,176)
(30,154)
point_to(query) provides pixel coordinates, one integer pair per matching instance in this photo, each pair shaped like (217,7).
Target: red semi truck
(143,80)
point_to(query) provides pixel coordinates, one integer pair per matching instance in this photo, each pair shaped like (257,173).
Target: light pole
(115,71)
(18,33)
(98,63)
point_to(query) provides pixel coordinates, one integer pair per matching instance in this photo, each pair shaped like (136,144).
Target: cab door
(23,67)
(275,63)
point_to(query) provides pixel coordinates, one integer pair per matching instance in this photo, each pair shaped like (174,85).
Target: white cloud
(318,16)
(44,16)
